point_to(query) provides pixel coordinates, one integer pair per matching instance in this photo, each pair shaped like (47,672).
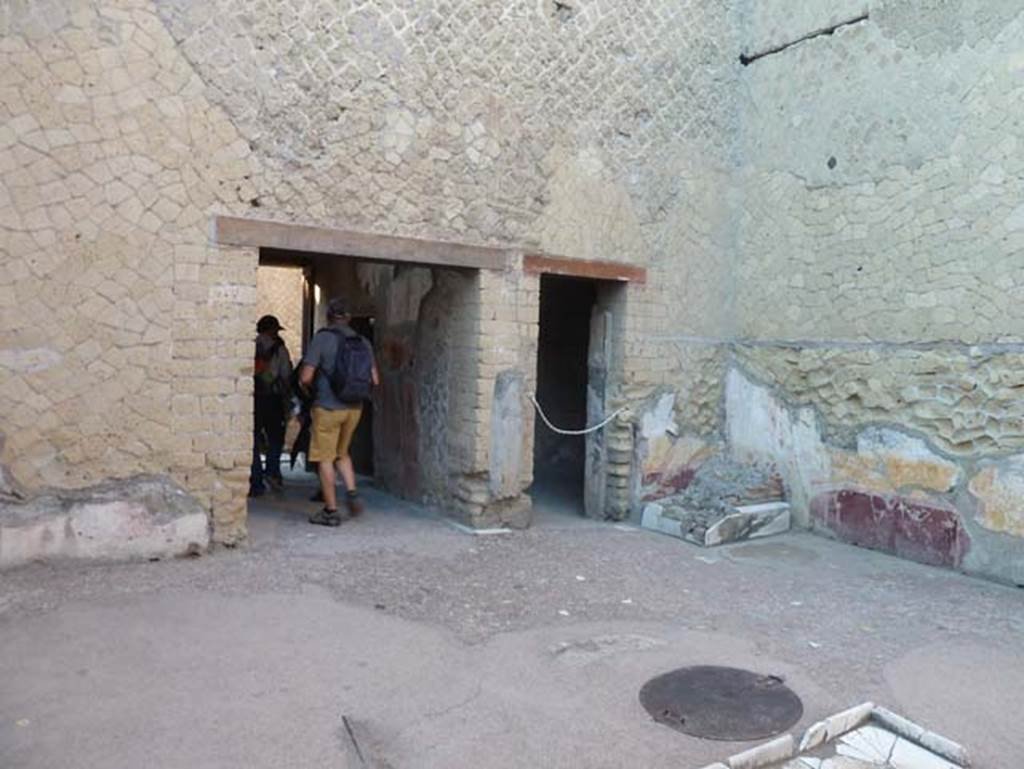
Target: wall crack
(748,59)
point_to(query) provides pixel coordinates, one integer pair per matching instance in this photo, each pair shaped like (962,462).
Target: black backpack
(351,378)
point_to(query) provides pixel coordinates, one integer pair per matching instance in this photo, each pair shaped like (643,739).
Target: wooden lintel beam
(583,268)
(261,233)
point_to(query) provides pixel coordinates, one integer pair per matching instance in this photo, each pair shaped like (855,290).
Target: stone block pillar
(211,380)
(496,372)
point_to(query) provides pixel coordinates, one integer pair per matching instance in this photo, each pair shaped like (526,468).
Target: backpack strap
(333,331)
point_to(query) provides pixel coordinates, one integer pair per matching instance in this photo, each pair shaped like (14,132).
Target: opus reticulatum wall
(826,201)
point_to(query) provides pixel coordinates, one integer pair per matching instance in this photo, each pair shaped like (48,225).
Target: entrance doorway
(415,317)
(559,461)
(295,287)
(579,354)
(422,300)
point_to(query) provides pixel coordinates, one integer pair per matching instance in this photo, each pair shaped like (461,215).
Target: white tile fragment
(777,750)
(848,719)
(907,755)
(869,743)
(937,744)
(943,747)
(815,735)
(897,724)
(845,762)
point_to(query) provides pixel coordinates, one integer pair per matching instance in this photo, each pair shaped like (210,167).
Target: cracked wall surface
(967,400)
(915,231)
(879,264)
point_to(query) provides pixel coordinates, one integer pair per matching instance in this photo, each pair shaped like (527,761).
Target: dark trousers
(269,433)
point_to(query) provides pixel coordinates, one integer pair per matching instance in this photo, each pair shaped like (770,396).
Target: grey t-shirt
(321,354)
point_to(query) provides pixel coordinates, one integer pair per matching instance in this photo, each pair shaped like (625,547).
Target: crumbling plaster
(876,250)
(143,517)
(882,485)
(966,399)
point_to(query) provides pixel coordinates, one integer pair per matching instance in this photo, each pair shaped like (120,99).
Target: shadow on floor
(552,496)
(276,516)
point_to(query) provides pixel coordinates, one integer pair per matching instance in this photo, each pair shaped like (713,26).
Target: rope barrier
(560,431)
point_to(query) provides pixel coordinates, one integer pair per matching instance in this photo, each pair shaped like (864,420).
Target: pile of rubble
(726,501)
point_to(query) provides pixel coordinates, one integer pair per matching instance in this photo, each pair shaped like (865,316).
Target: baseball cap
(337,308)
(268,323)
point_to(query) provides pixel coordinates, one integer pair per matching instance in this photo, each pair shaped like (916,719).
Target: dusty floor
(448,650)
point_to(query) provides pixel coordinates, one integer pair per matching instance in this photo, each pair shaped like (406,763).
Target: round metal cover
(721,703)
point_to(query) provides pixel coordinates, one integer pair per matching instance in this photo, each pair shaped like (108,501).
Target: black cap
(268,324)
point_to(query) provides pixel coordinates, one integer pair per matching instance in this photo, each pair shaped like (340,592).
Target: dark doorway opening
(417,318)
(559,461)
(296,286)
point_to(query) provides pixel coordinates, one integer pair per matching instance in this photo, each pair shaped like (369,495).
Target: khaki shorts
(332,433)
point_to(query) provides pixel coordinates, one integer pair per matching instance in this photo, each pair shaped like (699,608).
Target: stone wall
(125,334)
(839,223)
(426,428)
(279,292)
(611,139)
(591,130)
(880,257)
(452,126)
